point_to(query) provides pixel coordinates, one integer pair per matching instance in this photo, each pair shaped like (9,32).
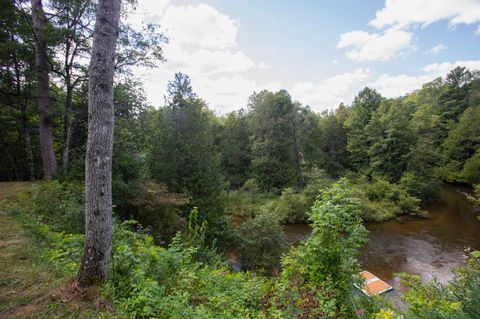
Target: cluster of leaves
(317,276)
(60,204)
(262,242)
(383,200)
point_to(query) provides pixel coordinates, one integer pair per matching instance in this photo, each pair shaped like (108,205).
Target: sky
(322,52)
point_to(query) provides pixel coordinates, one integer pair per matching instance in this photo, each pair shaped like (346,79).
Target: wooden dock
(373,286)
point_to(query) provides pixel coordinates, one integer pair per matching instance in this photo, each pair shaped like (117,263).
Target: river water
(429,247)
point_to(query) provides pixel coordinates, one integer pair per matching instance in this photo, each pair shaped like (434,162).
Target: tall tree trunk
(98,166)
(43,91)
(67,127)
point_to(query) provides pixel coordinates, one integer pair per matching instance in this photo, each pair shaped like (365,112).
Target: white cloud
(202,44)
(200,25)
(264,66)
(330,92)
(436,49)
(441,69)
(399,85)
(477,31)
(402,13)
(373,46)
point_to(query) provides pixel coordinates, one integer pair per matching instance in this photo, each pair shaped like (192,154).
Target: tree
(234,147)
(456,99)
(17,81)
(389,137)
(98,167)
(461,144)
(183,154)
(334,146)
(43,91)
(363,107)
(275,163)
(72,21)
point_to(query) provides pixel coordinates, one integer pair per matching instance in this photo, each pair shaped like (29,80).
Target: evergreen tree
(274,157)
(363,107)
(183,153)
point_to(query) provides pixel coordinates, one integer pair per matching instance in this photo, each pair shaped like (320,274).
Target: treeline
(182,155)
(44,56)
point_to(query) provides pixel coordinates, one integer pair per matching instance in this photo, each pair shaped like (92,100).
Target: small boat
(372,285)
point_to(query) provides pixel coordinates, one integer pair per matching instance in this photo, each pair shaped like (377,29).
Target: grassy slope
(29,285)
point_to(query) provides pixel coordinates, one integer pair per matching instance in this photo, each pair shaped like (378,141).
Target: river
(429,247)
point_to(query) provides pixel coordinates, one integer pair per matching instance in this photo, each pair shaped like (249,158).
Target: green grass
(30,286)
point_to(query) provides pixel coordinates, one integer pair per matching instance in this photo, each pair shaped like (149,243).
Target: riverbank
(428,247)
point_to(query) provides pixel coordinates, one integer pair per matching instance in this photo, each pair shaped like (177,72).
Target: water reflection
(427,247)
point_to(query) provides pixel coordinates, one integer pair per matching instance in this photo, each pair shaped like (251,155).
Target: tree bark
(98,166)
(43,91)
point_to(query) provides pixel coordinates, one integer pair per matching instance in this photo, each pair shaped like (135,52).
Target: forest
(187,206)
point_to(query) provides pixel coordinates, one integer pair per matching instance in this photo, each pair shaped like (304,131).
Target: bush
(157,209)
(471,169)
(60,205)
(262,242)
(148,281)
(318,275)
(423,187)
(292,207)
(383,200)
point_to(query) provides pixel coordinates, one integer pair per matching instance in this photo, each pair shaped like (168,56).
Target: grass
(30,287)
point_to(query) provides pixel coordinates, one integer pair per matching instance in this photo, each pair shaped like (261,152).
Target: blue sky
(322,52)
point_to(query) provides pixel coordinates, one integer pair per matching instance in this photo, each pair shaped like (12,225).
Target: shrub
(147,281)
(471,169)
(292,207)
(384,200)
(423,187)
(317,276)
(262,243)
(60,205)
(157,209)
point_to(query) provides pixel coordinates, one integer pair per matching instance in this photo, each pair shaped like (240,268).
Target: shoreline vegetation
(140,204)
(188,279)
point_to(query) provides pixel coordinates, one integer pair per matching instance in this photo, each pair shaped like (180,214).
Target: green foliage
(462,143)
(63,248)
(425,188)
(157,209)
(183,154)
(60,205)
(471,169)
(292,207)
(390,138)
(150,282)
(274,158)
(317,276)
(364,105)
(334,146)
(235,148)
(384,200)
(262,242)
